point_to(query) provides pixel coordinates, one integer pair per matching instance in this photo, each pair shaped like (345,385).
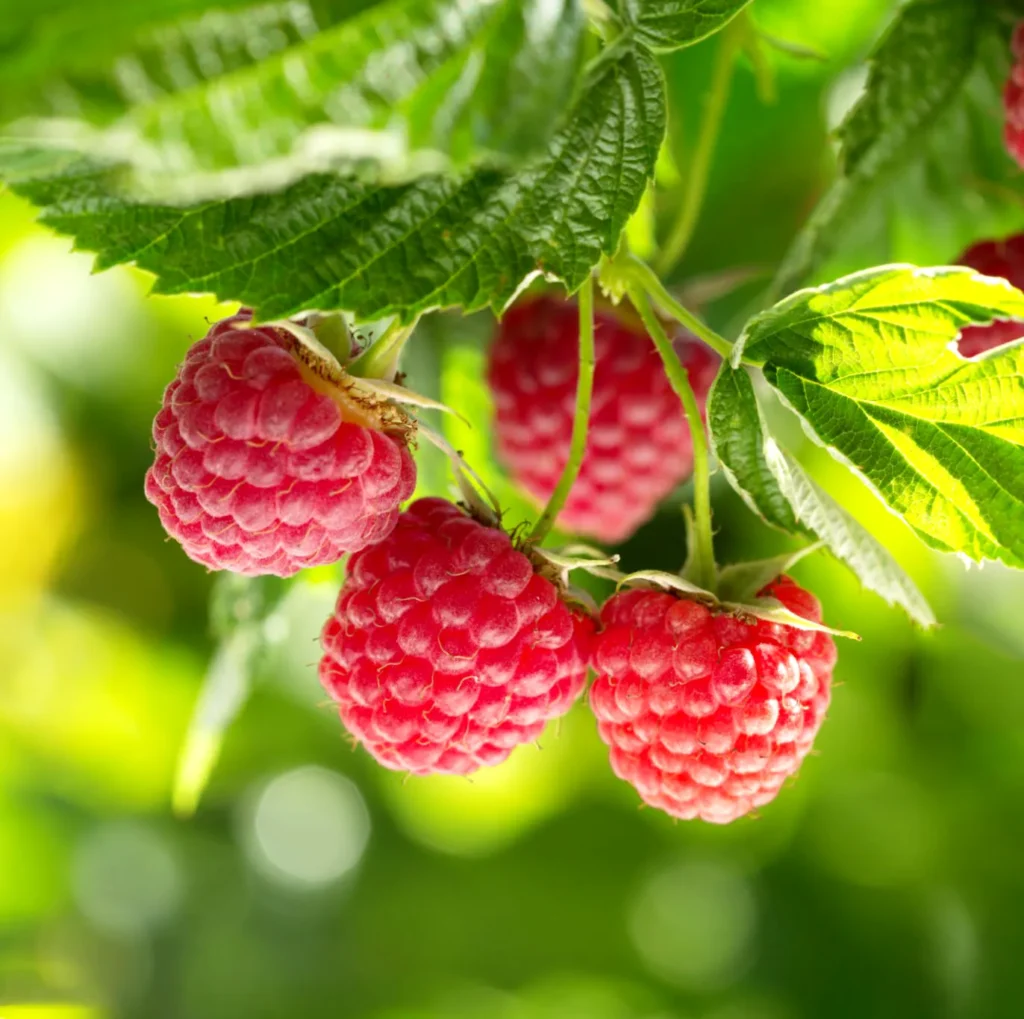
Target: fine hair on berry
(447,648)
(707,713)
(269,461)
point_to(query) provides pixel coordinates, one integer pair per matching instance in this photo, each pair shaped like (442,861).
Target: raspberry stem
(702,556)
(648,280)
(581,419)
(700,165)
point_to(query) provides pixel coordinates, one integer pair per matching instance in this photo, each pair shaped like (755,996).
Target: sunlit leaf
(868,363)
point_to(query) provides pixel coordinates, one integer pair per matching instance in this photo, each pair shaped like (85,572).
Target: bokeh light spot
(693,924)
(124,878)
(306,828)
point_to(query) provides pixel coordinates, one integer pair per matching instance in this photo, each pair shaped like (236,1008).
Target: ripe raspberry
(447,650)
(994,258)
(639,446)
(1013,99)
(265,463)
(707,715)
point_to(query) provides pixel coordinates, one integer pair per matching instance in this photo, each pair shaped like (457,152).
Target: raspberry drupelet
(447,648)
(639,445)
(707,714)
(1013,99)
(268,461)
(1002,259)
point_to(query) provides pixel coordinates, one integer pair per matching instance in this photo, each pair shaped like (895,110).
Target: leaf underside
(776,487)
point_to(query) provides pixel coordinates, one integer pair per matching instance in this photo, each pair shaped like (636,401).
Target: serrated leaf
(923,169)
(867,363)
(777,488)
(258,93)
(339,243)
(666,25)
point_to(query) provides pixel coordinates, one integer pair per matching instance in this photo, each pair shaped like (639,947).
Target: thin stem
(581,419)
(700,165)
(704,560)
(648,280)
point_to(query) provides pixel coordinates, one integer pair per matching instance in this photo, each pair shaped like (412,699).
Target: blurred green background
(887,881)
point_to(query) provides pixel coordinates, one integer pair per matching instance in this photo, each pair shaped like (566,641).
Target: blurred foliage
(885,882)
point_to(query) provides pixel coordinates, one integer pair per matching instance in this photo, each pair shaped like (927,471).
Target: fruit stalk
(581,419)
(700,165)
(648,281)
(704,561)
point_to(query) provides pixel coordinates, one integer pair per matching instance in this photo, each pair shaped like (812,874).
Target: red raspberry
(1001,259)
(707,715)
(1013,99)
(639,446)
(447,649)
(265,463)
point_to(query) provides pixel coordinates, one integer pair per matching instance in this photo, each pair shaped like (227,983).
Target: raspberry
(706,714)
(994,258)
(446,649)
(1013,99)
(639,446)
(266,463)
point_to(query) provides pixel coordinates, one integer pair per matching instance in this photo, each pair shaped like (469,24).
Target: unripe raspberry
(707,714)
(639,445)
(1001,259)
(447,649)
(1013,99)
(267,460)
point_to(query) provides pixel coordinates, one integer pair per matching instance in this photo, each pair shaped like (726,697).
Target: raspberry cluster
(450,645)
(266,462)
(639,445)
(708,714)
(447,649)
(1001,259)
(1013,99)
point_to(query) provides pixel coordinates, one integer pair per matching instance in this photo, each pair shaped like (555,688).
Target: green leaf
(342,243)
(737,438)
(270,91)
(666,25)
(777,488)
(868,363)
(923,169)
